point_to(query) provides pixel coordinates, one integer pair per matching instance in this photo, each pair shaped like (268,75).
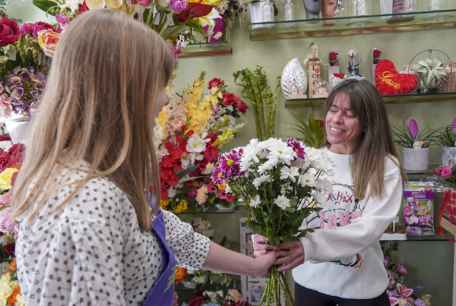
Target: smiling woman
(341,262)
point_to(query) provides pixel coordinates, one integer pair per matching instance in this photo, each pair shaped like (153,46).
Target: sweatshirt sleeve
(348,240)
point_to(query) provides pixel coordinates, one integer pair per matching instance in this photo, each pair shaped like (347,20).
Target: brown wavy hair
(103,92)
(375,142)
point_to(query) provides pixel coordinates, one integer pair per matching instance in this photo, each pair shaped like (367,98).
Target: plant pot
(448,156)
(17,127)
(415,159)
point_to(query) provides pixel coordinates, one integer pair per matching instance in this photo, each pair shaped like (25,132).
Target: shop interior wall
(430,263)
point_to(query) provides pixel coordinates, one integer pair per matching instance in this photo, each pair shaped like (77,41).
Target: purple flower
(412,127)
(27,28)
(419,302)
(297,147)
(401,269)
(62,19)
(217,32)
(453,126)
(228,166)
(178,6)
(407,211)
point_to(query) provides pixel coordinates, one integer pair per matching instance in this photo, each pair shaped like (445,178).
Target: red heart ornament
(389,82)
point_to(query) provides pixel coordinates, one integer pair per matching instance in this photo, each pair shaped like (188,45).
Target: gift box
(418,212)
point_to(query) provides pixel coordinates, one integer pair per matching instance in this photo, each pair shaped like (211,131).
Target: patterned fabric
(93,252)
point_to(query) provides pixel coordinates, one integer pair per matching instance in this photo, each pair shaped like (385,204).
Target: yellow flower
(225,137)
(163,118)
(208,2)
(164,203)
(6,178)
(5,287)
(181,207)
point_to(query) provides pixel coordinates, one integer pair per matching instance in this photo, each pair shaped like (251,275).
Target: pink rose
(446,172)
(144,2)
(9,31)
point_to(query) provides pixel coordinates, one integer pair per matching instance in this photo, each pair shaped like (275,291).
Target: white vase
(294,80)
(17,127)
(415,159)
(261,11)
(448,156)
(386,7)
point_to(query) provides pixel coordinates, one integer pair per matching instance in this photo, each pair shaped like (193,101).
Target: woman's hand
(289,255)
(260,245)
(262,263)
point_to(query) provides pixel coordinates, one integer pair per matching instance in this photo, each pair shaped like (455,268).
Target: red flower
(194,10)
(9,31)
(229,99)
(339,75)
(376,53)
(241,106)
(83,7)
(333,57)
(215,82)
(197,300)
(211,153)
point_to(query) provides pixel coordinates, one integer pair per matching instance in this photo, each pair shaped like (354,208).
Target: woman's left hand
(289,255)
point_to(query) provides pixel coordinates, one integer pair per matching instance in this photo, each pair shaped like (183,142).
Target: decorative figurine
(312,8)
(294,80)
(334,74)
(353,64)
(360,7)
(313,65)
(329,8)
(288,10)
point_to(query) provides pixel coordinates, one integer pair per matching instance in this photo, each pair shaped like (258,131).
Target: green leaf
(46,5)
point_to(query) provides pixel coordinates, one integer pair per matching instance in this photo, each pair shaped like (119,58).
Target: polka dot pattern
(92,252)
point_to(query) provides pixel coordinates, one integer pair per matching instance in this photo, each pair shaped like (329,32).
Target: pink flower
(407,211)
(412,127)
(9,31)
(144,2)
(401,269)
(7,224)
(178,6)
(446,172)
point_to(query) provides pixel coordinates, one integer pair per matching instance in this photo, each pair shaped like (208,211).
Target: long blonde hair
(375,142)
(99,107)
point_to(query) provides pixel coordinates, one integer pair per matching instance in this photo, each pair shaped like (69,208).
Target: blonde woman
(86,236)
(341,262)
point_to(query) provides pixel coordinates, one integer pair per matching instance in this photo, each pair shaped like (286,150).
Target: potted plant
(447,139)
(415,145)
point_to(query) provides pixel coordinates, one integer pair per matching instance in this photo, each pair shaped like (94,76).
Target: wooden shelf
(206,49)
(400,99)
(354,25)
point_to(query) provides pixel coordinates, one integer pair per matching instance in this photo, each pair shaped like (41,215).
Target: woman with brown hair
(89,232)
(341,261)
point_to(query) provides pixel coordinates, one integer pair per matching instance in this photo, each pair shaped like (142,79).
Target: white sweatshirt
(343,257)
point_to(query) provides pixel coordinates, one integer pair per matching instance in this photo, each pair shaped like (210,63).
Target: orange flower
(48,40)
(181,274)
(12,266)
(12,298)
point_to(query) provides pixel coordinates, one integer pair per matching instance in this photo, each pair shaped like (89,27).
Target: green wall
(430,262)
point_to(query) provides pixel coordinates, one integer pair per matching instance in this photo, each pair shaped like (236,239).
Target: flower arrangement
(412,137)
(447,135)
(190,132)
(277,181)
(399,294)
(23,66)
(178,21)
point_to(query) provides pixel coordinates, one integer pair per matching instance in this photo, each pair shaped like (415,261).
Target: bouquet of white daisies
(281,183)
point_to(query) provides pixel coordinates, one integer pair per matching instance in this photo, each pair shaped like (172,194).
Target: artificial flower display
(190,132)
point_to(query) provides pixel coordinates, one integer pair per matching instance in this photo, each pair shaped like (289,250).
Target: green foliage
(49,6)
(311,131)
(404,138)
(256,90)
(446,137)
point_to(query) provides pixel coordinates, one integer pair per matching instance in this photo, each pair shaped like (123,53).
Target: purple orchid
(412,127)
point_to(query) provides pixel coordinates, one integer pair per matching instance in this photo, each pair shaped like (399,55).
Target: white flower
(255,202)
(73,5)
(308,178)
(249,155)
(289,173)
(282,201)
(196,144)
(260,180)
(171,192)
(268,165)
(278,150)
(208,169)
